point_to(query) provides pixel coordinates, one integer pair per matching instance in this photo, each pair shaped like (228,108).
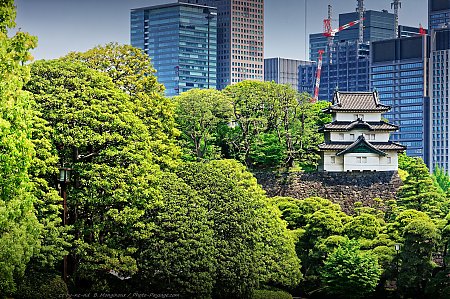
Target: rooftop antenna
(360,10)
(396,5)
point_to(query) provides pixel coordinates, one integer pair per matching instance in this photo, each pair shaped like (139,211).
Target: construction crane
(421,30)
(360,11)
(331,33)
(396,5)
(327,28)
(319,72)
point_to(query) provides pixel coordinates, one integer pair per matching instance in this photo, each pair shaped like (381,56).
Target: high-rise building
(440,112)
(317,41)
(283,71)
(348,72)
(399,73)
(408,31)
(181,40)
(240,53)
(438,14)
(378,25)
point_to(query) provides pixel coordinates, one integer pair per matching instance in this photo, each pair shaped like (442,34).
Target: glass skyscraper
(378,25)
(439,63)
(348,72)
(438,14)
(399,73)
(240,40)
(181,40)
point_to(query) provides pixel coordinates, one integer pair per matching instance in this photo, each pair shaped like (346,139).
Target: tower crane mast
(396,5)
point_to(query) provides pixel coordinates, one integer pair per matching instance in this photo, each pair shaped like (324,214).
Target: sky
(63,26)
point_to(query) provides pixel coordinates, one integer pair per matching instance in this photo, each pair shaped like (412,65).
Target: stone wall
(344,188)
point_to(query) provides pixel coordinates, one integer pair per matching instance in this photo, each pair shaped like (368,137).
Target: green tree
(131,70)
(267,151)
(200,114)
(252,245)
(97,134)
(420,236)
(20,230)
(308,138)
(442,179)
(350,273)
(419,191)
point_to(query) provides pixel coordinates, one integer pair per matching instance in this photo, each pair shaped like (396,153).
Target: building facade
(348,72)
(438,14)
(181,40)
(440,112)
(358,138)
(378,25)
(399,73)
(283,70)
(240,40)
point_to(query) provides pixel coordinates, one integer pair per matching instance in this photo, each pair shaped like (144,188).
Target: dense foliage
(20,229)
(160,199)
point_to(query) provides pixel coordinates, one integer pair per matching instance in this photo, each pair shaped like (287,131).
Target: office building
(317,41)
(399,73)
(240,40)
(348,72)
(438,14)
(408,31)
(283,71)
(378,25)
(181,40)
(440,112)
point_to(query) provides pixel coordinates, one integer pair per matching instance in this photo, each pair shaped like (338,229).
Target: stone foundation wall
(344,188)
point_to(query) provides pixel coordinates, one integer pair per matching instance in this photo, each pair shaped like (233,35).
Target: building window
(333,160)
(389,160)
(358,116)
(352,136)
(361,160)
(341,136)
(369,136)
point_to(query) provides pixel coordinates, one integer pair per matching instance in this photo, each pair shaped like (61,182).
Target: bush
(41,286)
(266,294)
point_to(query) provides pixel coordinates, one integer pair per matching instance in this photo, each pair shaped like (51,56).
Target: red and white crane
(330,33)
(421,30)
(319,71)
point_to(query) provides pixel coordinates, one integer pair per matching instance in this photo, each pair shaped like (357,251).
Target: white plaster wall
(379,136)
(374,162)
(350,116)
(338,166)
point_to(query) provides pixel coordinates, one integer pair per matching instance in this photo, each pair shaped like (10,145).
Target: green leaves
(200,114)
(350,273)
(20,231)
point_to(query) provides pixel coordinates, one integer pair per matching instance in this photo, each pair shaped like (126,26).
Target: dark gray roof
(356,102)
(347,126)
(381,146)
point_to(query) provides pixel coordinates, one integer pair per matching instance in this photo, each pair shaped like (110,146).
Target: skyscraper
(181,40)
(283,70)
(240,43)
(438,14)
(348,72)
(378,25)
(440,113)
(399,73)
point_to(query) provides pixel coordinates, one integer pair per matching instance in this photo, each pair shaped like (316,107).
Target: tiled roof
(347,126)
(357,102)
(382,146)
